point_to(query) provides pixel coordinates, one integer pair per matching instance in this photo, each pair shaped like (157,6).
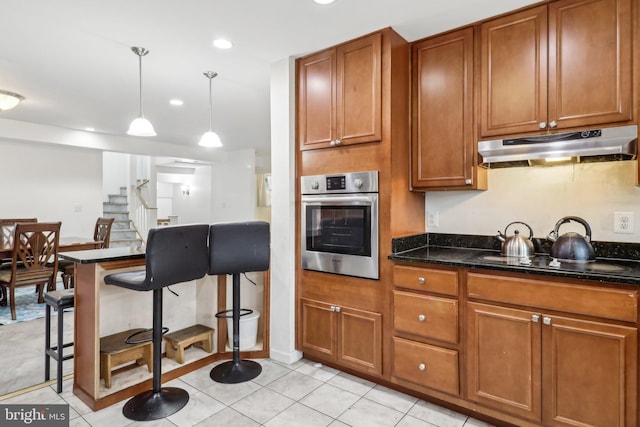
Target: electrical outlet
(432,218)
(623,222)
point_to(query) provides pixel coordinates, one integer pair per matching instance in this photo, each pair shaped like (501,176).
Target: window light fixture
(140,126)
(210,138)
(8,100)
(176,102)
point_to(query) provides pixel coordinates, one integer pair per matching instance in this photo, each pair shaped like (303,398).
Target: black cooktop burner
(546,262)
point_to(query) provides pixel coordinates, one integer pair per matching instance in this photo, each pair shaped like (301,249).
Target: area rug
(27,307)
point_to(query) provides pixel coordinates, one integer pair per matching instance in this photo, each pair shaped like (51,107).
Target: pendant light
(140,126)
(8,100)
(210,138)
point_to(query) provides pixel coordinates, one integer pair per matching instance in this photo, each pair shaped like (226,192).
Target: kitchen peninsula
(102,310)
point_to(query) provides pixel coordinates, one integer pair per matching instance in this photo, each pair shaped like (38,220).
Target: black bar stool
(59,300)
(173,255)
(236,248)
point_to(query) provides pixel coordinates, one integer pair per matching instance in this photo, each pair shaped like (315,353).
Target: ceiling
(72,61)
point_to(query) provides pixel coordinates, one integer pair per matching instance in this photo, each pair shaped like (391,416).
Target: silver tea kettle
(516,245)
(572,246)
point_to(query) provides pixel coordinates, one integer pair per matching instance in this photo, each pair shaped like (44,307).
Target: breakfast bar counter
(102,310)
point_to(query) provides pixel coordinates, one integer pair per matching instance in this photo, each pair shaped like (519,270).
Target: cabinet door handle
(467,181)
(333,308)
(332,143)
(337,309)
(553,124)
(337,142)
(421,280)
(535,318)
(422,367)
(421,317)
(542,125)
(546,320)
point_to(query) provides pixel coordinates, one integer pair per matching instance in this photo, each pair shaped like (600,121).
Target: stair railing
(144,216)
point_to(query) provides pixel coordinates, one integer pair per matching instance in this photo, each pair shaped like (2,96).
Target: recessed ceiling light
(90,129)
(324,1)
(222,44)
(176,102)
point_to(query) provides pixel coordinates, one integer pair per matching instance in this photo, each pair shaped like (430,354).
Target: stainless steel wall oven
(339,222)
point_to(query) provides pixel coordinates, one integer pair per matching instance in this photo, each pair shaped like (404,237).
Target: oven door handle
(350,199)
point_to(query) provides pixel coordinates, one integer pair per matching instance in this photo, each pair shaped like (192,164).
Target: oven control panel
(350,182)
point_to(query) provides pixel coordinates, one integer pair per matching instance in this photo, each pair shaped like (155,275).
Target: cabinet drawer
(427,316)
(426,279)
(616,304)
(426,365)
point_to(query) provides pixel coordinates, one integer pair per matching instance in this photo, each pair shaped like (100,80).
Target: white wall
(191,208)
(283,212)
(233,187)
(52,183)
(540,196)
(115,173)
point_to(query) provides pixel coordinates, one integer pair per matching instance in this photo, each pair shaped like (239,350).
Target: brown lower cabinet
(528,350)
(551,369)
(426,365)
(345,335)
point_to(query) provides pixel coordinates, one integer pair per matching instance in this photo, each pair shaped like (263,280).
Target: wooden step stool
(197,335)
(115,351)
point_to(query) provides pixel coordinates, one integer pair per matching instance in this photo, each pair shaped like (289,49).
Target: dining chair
(7,227)
(101,233)
(34,259)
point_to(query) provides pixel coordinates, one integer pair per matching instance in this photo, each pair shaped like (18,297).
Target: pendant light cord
(210,106)
(140,75)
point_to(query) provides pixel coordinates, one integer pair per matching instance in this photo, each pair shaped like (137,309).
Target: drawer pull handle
(421,317)
(535,318)
(421,280)
(422,367)
(546,320)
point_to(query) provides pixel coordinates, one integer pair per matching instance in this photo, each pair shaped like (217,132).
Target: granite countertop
(103,255)
(615,262)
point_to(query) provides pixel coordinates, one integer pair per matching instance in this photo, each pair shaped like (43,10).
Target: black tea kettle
(572,246)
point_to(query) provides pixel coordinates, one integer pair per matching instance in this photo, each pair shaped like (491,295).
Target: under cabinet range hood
(593,145)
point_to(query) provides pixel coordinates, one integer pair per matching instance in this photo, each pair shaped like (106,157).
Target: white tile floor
(301,394)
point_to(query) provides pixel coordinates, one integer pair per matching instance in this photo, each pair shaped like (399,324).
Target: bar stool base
(235,372)
(150,405)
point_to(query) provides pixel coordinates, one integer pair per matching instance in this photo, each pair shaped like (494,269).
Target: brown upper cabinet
(562,65)
(340,95)
(443,153)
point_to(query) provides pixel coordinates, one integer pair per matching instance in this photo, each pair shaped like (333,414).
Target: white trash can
(248,330)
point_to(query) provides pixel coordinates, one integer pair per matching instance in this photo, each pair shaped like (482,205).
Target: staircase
(122,234)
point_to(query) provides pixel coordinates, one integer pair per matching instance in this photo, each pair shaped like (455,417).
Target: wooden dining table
(65,244)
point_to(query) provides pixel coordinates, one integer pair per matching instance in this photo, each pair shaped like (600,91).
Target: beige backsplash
(540,196)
